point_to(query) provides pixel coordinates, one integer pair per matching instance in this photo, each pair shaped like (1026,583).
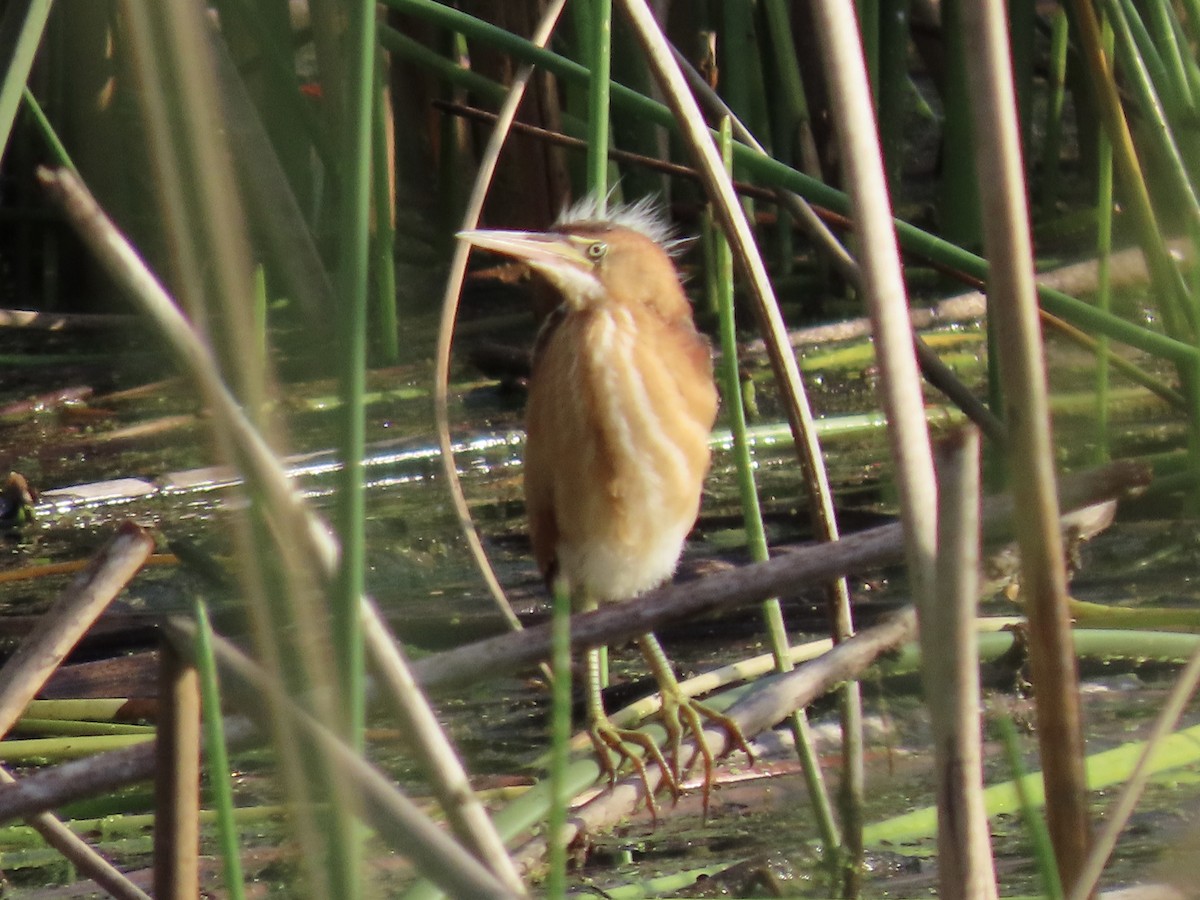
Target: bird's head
(623,258)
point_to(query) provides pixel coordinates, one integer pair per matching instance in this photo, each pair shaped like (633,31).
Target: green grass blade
(217,758)
(1039,834)
(49,135)
(601,66)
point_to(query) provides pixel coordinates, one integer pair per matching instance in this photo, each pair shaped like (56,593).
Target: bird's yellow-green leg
(680,713)
(621,744)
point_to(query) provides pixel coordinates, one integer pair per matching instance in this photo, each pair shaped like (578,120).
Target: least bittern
(621,403)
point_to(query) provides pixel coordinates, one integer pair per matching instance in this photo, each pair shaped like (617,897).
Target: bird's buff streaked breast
(626,447)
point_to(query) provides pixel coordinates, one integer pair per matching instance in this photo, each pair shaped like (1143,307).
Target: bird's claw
(682,713)
(610,741)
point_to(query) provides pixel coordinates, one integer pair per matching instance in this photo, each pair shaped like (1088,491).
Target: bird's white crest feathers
(645,216)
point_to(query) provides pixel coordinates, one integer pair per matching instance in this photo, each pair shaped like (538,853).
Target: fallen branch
(745,584)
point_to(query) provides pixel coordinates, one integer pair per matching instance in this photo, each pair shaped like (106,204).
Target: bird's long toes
(691,712)
(674,727)
(624,745)
(734,738)
(604,755)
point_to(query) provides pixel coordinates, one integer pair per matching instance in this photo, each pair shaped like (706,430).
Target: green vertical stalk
(1158,100)
(1170,163)
(454,137)
(600,54)
(869,30)
(355,211)
(635,133)
(1145,43)
(49,135)
(756,537)
(1190,68)
(790,113)
(958,193)
(385,229)
(1172,296)
(1192,8)
(741,78)
(1161,17)
(1022,30)
(1104,219)
(575,94)
(1039,835)
(1054,110)
(738,57)
(601,59)
(216,757)
(891,98)
(260,319)
(708,250)
(560,740)
(791,107)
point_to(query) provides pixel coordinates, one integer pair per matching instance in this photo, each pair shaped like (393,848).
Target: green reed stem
(49,135)
(868,26)
(789,116)
(1173,299)
(1138,78)
(414,51)
(576,97)
(741,69)
(74,727)
(1104,222)
(40,750)
(1190,67)
(601,65)
(600,54)
(741,74)
(1023,38)
(791,105)
(756,537)
(1145,43)
(560,742)
(260,314)
(1039,835)
(217,757)
(355,212)
(708,251)
(892,90)
(958,191)
(1052,145)
(1192,8)
(1176,87)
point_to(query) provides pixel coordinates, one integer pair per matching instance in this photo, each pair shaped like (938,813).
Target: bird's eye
(596,250)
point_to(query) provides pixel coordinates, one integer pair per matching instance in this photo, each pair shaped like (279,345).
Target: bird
(620,407)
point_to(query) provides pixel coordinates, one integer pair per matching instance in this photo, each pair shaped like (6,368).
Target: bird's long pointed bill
(535,248)
(557,258)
